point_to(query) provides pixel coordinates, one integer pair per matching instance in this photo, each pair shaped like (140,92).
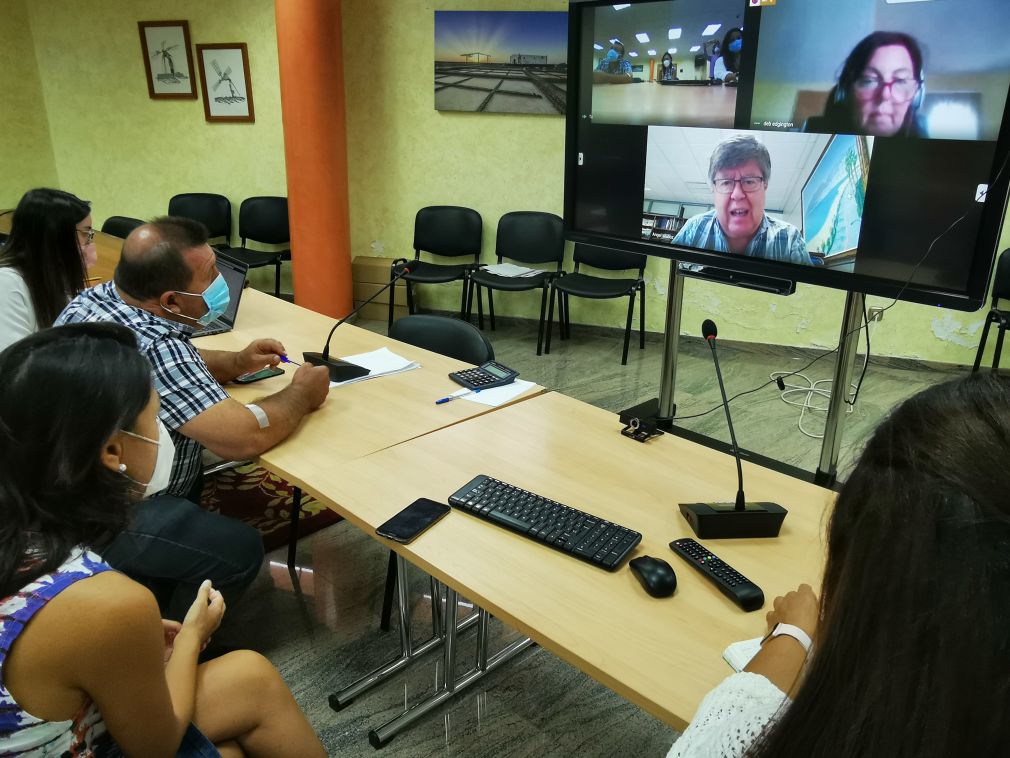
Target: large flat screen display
(859,144)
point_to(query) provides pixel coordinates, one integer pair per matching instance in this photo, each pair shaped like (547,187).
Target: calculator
(484,377)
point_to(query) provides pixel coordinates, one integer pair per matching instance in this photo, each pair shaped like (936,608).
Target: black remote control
(730,582)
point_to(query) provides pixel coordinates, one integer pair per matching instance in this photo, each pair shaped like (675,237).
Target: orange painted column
(310,51)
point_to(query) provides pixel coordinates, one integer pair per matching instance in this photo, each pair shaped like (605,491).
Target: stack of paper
(381,362)
(511,270)
(739,654)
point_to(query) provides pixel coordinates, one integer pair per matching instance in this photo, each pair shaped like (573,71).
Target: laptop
(234,273)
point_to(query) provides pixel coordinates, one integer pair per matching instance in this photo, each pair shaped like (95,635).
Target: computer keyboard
(591,539)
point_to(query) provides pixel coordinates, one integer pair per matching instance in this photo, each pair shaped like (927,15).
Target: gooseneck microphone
(342,371)
(739,518)
(709,332)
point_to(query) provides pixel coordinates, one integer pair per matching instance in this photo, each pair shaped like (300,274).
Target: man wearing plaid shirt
(158,291)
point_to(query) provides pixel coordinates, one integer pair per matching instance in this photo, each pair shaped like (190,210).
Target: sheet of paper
(496,395)
(739,654)
(510,270)
(381,362)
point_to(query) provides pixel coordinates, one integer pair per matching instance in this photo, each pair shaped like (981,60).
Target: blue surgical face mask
(612,55)
(216,297)
(736,45)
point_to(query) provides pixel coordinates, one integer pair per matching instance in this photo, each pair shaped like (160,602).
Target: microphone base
(340,371)
(716,521)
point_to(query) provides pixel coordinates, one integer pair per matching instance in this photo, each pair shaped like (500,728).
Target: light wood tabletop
(662,654)
(109,249)
(356,419)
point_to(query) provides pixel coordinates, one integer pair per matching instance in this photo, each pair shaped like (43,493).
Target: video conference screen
(825,141)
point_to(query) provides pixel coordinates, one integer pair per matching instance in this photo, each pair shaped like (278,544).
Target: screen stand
(658,413)
(848,341)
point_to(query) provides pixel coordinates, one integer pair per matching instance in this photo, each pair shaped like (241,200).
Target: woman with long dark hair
(879,90)
(43,264)
(727,66)
(910,645)
(87,667)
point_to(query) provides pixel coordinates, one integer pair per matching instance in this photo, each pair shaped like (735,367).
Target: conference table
(661,654)
(655,103)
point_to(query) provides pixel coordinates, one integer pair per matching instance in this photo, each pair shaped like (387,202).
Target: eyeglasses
(902,90)
(747,184)
(88,233)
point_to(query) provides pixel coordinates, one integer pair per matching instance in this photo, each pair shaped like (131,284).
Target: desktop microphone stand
(739,518)
(342,371)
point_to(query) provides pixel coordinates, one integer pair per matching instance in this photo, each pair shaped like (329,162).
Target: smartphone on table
(412,520)
(255,376)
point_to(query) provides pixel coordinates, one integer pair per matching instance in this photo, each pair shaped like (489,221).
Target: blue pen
(453,397)
(285,359)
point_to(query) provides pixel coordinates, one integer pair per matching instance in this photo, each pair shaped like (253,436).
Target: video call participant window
(689,52)
(931,68)
(792,198)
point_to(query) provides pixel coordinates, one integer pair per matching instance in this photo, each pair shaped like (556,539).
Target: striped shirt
(181,377)
(774,241)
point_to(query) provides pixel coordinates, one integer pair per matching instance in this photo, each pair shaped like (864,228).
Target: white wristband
(261,415)
(791,631)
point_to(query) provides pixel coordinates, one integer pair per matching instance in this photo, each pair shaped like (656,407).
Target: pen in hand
(285,359)
(453,397)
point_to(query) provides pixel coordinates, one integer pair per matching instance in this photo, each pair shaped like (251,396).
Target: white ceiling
(656,19)
(676,164)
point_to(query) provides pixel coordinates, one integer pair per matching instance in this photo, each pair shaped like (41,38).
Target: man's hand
(799,608)
(314,384)
(259,354)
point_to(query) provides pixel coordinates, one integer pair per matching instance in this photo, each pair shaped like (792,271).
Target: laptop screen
(234,274)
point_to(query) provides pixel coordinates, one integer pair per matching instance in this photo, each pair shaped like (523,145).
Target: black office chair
(1000,291)
(599,288)
(445,230)
(120,226)
(446,336)
(263,220)
(213,211)
(526,237)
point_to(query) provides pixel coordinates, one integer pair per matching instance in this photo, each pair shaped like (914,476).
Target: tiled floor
(327,635)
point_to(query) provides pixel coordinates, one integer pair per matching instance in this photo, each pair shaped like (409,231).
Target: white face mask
(666,64)
(162,473)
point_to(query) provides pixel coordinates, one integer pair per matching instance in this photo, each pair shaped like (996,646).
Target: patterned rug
(263,500)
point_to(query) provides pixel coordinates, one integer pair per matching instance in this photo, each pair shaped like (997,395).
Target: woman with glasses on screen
(43,263)
(879,90)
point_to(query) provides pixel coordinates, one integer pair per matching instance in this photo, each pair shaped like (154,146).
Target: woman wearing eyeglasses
(43,263)
(879,90)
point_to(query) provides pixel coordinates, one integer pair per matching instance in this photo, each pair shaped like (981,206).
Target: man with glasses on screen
(739,170)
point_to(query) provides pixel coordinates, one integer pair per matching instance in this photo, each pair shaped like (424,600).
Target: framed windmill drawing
(168,59)
(225,82)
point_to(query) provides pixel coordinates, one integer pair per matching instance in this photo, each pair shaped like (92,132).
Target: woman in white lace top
(913,627)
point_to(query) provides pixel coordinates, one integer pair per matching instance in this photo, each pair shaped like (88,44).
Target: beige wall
(404,154)
(26,153)
(128,154)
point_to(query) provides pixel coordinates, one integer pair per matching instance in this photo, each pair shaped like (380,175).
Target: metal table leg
(408,653)
(450,685)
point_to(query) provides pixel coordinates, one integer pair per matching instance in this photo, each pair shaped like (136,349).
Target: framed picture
(832,197)
(168,59)
(224,79)
(501,61)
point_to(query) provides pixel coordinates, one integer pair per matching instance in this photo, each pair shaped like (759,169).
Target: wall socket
(876,313)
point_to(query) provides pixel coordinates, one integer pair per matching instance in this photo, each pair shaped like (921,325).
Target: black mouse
(655,574)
